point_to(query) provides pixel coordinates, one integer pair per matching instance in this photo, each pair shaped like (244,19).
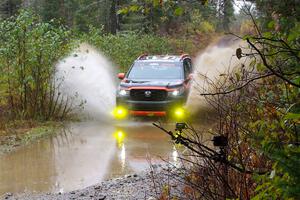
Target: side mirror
(121,76)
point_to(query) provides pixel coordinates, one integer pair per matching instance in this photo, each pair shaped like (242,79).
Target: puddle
(83,155)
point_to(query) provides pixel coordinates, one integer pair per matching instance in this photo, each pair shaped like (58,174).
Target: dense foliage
(114,15)
(258,111)
(29,49)
(275,131)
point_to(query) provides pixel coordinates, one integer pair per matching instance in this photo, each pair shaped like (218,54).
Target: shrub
(29,50)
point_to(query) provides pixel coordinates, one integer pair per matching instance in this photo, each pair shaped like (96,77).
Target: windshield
(156,70)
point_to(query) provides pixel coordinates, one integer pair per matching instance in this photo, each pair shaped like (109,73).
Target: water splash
(88,75)
(216,60)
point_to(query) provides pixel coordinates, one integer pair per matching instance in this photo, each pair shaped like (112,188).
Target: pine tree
(225,13)
(51,9)
(228,14)
(9,7)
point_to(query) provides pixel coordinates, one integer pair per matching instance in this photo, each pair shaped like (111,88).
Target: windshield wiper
(132,81)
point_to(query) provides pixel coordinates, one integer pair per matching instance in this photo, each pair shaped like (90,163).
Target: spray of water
(87,75)
(216,60)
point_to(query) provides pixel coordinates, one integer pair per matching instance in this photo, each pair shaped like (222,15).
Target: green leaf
(156,3)
(293,116)
(260,67)
(271,24)
(268,34)
(178,11)
(123,11)
(134,8)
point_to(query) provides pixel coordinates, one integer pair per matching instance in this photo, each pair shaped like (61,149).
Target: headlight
(177,92)
(123,92)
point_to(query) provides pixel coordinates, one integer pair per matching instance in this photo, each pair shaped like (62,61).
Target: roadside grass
(18,133)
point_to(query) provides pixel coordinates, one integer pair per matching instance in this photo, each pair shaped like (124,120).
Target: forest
(256,106)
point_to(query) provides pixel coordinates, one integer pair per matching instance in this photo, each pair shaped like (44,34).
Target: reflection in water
(140,146)
(175,155)
(119,136)
(123,156)
(73,159)
(83,155)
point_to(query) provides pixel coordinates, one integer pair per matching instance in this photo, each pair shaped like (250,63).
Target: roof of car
(162,58)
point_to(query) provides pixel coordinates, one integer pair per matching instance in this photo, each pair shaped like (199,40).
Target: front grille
(148,95)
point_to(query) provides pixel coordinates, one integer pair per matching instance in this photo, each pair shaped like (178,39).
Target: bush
(199,25)
(29,50)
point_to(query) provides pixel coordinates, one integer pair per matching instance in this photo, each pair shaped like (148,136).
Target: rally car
(155,85)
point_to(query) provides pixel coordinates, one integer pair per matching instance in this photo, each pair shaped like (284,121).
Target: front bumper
(148,113)
(151,108)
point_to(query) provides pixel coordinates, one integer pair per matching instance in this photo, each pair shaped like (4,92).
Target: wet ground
(84,154)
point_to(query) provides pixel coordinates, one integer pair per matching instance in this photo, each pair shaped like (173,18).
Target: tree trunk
(113,17)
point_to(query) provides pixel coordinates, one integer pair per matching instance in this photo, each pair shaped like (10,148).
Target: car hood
(151,83)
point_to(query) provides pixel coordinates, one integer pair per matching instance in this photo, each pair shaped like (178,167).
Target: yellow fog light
(179,113)
(120,112)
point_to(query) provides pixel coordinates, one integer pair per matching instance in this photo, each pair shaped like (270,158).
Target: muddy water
(82,155)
